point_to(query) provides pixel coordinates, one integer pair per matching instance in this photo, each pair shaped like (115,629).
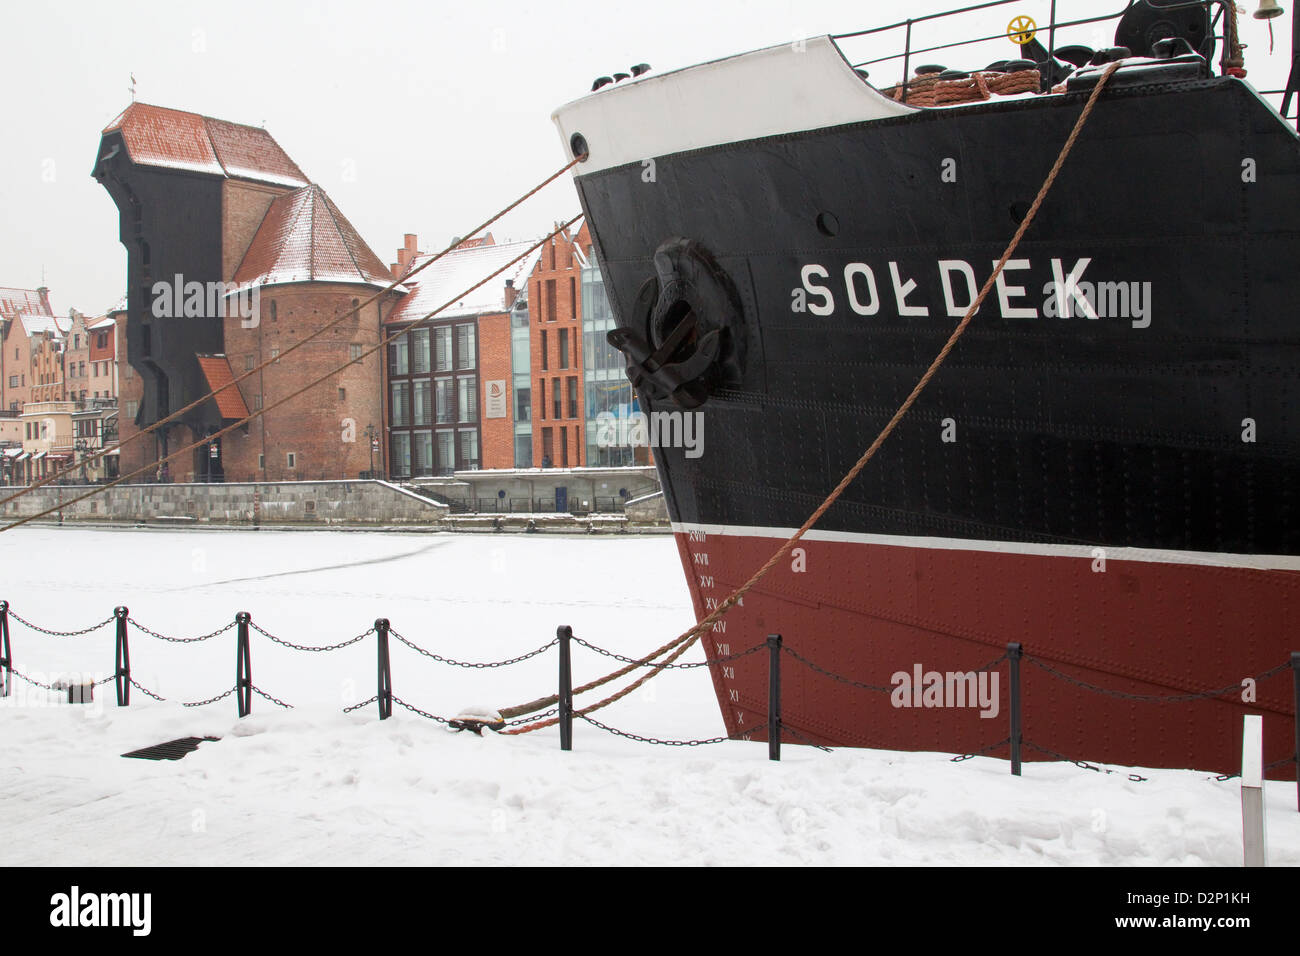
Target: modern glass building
(521,376)
(607,390)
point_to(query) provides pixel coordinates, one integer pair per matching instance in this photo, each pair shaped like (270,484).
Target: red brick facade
(555,314)
(494,370)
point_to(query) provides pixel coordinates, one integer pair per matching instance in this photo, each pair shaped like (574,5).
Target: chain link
(786,728)
(51,633)
(642,662)
(1154,698)
(180,640)
(184,703)
(364,703)
(416,710)
(1082,764)
(275,700)
(102,681)
(34,683)
(656,740)
(839,677)
(308,647)
(1273,766)
(983,751)
(472,664)
(532,718)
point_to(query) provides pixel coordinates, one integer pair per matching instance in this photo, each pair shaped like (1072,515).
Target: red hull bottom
(869,611)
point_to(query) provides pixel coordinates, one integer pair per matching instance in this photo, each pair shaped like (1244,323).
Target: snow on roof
(120,307)
(305,238)
(176,139)
(13,301)
(455,272)
(104,323)
(35,324)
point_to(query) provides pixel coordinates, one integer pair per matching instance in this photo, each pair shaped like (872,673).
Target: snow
(315,786)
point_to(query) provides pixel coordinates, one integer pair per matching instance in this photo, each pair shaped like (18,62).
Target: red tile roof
(216,369)
(304,238)
(175,139)
(13,301)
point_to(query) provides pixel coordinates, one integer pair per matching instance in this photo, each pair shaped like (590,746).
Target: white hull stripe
(1262,562)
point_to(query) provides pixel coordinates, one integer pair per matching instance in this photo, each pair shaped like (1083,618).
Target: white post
(1252,791)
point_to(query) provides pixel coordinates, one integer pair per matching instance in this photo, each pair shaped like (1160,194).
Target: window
(133,407)
(401,454)
(469,448)
(275,316)
(556,398)
(248,363)
(443,401)
(541,398)
(275,355)
(564,447)
(422,453)
(343,394)
(292,460)
(545,358)
(94,369)
(522,407)
(442,348)
(400,407)
(261,463)
(467,389)
(464,346)
(76,341)
(420,351)
(423,410)
(550,299)
(13,381)
(548,449)
(573,396)
(354,351)
(446,452)
(573,297)
(564,348)
(398,357)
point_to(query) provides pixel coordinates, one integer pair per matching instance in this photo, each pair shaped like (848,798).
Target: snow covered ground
(315,786)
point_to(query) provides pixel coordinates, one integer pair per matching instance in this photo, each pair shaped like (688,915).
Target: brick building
(449,381)
(221,208)
(555,317)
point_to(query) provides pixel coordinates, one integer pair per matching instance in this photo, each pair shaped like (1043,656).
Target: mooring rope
(355,311)
(679,645)
(290,397)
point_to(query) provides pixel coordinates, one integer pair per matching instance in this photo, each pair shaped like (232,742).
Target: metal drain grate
(171,750)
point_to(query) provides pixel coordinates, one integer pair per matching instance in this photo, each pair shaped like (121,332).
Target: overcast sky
(415,117)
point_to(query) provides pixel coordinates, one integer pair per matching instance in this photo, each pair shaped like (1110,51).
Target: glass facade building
(521,382)
(607,392)
(433,401)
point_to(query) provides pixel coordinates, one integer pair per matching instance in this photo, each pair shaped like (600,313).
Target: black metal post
(243,666)
(907,59)
(565,633)
(122,680)
(774,697)
(385,697)
(6,655)
(1295,680)
(1014,652)
(1051,39)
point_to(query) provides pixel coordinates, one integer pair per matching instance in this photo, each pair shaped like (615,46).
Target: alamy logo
(75,909)
(656,430)
(952,689)
(179,299)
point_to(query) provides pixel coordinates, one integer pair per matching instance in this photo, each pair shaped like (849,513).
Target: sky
(415,117)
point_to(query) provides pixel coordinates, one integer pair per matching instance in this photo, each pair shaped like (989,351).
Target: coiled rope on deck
(679,645)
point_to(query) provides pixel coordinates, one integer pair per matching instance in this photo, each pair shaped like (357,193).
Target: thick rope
(684,641)
(312,384)
(89,460)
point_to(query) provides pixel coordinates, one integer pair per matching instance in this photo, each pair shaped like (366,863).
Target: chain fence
(381,630)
